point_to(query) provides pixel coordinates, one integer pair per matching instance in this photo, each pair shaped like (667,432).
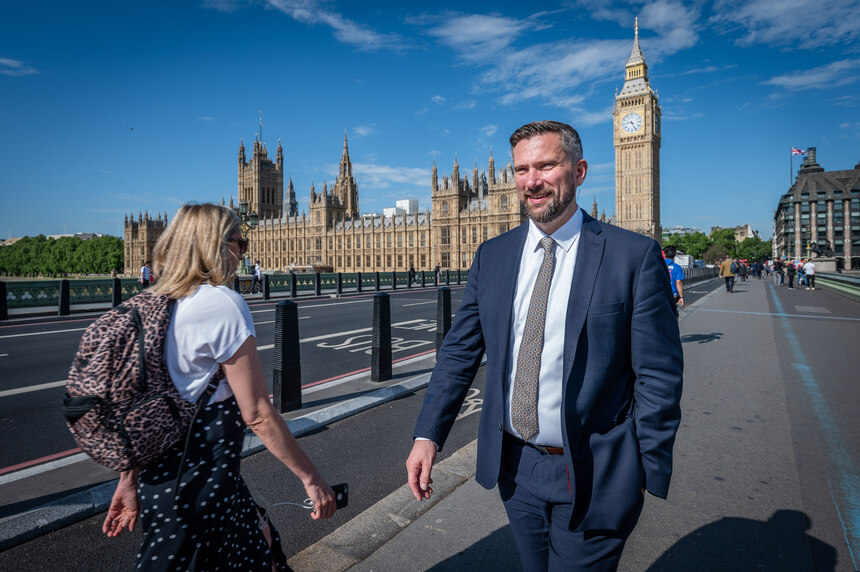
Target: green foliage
(725,237)
(753,249)
(715,253)
(693,244)
(38,255)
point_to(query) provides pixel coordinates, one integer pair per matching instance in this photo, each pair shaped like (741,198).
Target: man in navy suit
(584,368)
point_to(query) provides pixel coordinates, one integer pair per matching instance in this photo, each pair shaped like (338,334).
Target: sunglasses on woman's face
(242,243)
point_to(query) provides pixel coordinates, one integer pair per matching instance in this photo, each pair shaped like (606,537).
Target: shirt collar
(565,236)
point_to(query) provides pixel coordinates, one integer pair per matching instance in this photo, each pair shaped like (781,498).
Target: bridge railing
(46,293)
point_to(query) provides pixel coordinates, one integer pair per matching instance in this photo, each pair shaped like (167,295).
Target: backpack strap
(201,403)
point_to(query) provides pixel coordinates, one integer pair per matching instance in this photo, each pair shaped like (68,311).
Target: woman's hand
(124,506)
(323,498)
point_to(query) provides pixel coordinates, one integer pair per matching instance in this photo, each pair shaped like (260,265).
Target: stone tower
(636,121)
(345,189)
(261,181)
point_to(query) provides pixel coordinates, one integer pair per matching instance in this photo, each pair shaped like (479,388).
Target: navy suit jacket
(623,368)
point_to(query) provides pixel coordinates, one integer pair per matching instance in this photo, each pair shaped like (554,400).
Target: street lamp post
(248,222)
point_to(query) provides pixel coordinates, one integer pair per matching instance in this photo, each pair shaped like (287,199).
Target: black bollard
(117,292)
(443,315)
(237,286)
(267,293)
(339,283)
(423,279)
(64,298)
(358,281)
(317,284)
(394,280)
(287,367)
(4,305)
(293,285)
(447,278)
(380,352)
(377,281)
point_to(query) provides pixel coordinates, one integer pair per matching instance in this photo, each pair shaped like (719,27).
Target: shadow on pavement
(701,338)
(495,552)
(781,544)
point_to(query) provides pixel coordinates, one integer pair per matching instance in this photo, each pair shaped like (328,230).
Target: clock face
(631,122)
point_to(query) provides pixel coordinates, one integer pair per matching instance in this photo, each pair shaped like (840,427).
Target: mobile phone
(341,494)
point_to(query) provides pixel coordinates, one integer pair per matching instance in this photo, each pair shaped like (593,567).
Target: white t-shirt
(809,269)
(144,273)
(206,329)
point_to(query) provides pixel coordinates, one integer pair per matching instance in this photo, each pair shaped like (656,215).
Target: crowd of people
(803,270)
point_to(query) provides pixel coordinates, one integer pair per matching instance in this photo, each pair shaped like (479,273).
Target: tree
(753,248)
(693,244)
(725,237)
(715,253)
(67,255)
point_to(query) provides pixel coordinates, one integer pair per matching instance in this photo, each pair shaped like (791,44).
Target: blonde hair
(193,250)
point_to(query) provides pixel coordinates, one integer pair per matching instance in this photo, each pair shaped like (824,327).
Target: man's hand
(418,467)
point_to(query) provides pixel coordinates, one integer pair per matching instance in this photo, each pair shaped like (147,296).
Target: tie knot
(547,243)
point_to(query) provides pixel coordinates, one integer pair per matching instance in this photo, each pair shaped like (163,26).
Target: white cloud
(384,176)
(364,130)
(791,23)
(311,12)
(489,130)
(437,99)
(206,118)
(15,68)
(468,104)
(563,73)
(833,74)
(477,36)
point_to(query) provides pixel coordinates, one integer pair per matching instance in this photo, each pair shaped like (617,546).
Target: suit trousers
(537,491)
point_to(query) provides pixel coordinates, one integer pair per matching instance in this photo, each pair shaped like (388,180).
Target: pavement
(735,502)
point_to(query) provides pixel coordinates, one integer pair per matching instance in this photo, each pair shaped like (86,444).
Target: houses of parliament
(333,235)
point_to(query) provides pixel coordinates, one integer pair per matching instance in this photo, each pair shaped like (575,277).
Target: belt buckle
(540,448)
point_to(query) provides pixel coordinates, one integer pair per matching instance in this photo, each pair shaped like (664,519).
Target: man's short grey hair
(570,141)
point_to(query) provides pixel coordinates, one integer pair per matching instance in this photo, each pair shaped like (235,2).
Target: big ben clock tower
(636,120)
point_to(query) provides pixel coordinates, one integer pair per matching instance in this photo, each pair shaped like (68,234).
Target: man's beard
(549,212)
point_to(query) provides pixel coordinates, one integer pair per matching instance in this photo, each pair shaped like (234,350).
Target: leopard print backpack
(121,405)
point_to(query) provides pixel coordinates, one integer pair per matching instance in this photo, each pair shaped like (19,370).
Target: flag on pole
(796,151)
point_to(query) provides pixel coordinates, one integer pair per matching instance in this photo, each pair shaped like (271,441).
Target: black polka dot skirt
(212,522)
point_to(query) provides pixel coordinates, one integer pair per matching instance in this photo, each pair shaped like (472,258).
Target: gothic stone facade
(636,122)
(333,235)
(139,238)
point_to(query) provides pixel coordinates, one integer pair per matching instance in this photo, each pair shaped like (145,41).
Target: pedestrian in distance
(210,521)
(411,273)
(809,271)
(727,272)
(791,270)
(676,277)
(257,281)
(584,368)
(438,273)
(801,273)
(145,275)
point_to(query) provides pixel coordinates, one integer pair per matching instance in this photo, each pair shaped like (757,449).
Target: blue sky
(739,83)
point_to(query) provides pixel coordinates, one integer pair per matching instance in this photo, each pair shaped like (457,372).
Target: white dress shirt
(551,366)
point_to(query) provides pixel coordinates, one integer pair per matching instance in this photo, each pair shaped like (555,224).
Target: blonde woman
(213,522)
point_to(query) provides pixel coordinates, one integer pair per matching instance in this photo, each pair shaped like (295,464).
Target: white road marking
(419,303)
(272,309)
(30,388)
(42,333)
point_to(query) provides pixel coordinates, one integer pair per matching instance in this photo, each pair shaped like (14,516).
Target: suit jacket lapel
(589,256)
(508,271)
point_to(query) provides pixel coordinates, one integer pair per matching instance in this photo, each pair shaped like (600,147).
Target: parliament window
(446,259)
(445,235)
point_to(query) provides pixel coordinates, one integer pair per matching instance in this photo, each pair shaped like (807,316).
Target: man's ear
(581,170)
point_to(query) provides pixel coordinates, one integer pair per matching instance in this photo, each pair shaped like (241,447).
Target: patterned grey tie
(524,399)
